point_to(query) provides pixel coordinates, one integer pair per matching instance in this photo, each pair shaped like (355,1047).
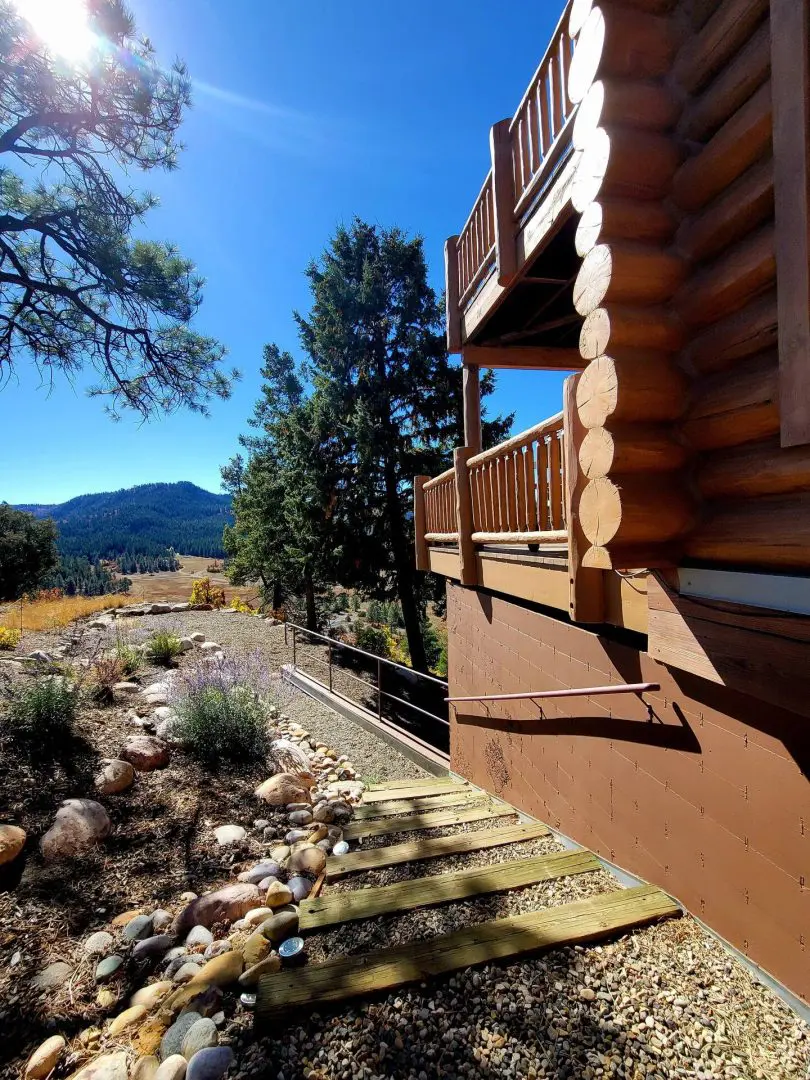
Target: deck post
(586,602)
(472,407)
(451,295)
(464,516)
(503,188)
(422,560)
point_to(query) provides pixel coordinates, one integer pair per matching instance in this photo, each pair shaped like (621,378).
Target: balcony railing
(440,508)
(525,151)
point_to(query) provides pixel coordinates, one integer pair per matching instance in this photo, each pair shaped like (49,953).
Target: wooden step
(386,969)
(466,797)
(426,892)
(339,866)
(413,791)
(432,819)
(425,781)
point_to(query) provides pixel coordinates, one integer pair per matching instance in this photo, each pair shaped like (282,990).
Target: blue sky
(305,114)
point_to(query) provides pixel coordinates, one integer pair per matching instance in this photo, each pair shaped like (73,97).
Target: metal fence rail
(292,639)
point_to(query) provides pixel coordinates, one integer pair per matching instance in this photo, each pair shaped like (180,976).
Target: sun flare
(61,25)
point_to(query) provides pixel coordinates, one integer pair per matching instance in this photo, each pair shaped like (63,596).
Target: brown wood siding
(710,800)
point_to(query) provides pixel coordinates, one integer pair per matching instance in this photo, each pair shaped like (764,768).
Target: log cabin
(628,581)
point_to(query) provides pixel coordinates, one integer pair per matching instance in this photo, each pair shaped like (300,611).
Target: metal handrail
(585,691)
(379,660)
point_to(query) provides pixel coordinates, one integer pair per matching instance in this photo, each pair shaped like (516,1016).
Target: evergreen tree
(27,551)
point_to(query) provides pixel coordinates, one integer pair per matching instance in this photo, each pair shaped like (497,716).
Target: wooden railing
(524,153)
(517,488)
(440,508)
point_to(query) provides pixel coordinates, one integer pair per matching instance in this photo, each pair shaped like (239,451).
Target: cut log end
(634,511)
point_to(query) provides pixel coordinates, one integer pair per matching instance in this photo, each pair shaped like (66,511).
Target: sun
(61,25)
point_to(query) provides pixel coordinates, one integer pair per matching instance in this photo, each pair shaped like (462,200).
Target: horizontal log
(765,533)
(735,84)
(636,387)
(763,468)
(550,426)
(635,510)
(742,273)
(529,357)
(630,448)
(549,537)
(623,163)
(634,558)
(735,407)
(734,213)
(725,33)
(441,538)
(617,327)
(740,142)
(623,219)
(743,334)
(626,275)
(646,105)
(621,43)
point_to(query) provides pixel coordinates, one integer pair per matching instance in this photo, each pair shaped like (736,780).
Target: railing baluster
(520,478)
(510,488)
(555,483)
(531,497)
(542,483)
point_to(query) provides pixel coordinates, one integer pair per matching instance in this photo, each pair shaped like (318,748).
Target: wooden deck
(389,968)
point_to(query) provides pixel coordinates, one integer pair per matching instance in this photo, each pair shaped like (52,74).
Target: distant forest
(139,529)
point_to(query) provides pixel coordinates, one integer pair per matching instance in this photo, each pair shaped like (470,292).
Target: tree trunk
(277,595)
(404,571)
(309,595)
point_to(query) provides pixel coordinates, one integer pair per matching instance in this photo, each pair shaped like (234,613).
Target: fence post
(451,295)
(464,515)
(586,586)
(379,689)
(420,523)
(294,647)
(503,189)
(330,666)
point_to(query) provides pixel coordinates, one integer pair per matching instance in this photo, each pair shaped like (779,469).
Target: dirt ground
(176,585)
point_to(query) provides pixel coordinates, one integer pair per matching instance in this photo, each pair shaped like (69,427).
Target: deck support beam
(524,357)
(472,407)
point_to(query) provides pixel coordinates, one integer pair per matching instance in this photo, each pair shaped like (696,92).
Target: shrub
(223,708)
(238,604)
(375,639)
(163,648)
(203,592)
(104,673)
(127,655)
(9,637)
(42,714)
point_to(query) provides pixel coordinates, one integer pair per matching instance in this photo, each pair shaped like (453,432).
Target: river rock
(145,1068)
(269,966)
(216,948)
(106,968)
(229,834)
(199,935)
(153,947)
(256,948)
(45,1058)
(12,841)
(310,860)
(299,887)
(282,789)
(197,638)
(53,975)
(138,928)
(173,1068)
(340,848)
(173,1039)
(106,1067)
(223,905)
(259,872)
(99,944)
(117,775)
(221,971)
(127,1019)
(210,647)
(325,846)
(145,752)
(80,824)
(126,689)
(161,919)
(280,854)
(295,836)
(160,609)
(200,1035)
(282,925)
(300,817)
(186,644)
(210,1064)
(185,972)
(277,895)
(150,995)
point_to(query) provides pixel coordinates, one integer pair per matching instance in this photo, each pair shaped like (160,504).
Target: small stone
(79,824)
(138,928)
(282,925)
(127,1019)
(105,999)
(256,948)
(257,915)
(145,753)
(295,836)
(52,976)
(99,944)
(229,834)
(210,647)
(269,966)
(223,905)
(186,644)
(106,968)
(145,1068)
(116,776)
(199,935)
(125,917)
(300,817)
(260,823)
(277,895)
(106,1067)
(197,638)
(340,848)
(280,854)
(222,970)
(150,995)
(173,1068)
(186,972)
(210,1064)
(199,1036)
(161,919)
(308,861)
(283,788)
(587,994)
(178,953)
(152,947)
(187,897)
(173,1039)
(260,871)
(300,887)
(45,1058)
(12,841)
(126,689)
(216,948)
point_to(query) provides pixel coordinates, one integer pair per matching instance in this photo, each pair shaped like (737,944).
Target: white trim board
(776,591)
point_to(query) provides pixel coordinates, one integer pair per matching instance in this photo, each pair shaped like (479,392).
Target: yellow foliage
(9,637)
(238,604)
(52,612)
(203,592)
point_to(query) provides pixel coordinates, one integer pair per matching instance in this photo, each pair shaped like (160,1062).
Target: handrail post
(471,391)
(379,689)
(464,516)
(294,647)
(586,597)
(420,523)
(451,295)
(503,189)
(330,666)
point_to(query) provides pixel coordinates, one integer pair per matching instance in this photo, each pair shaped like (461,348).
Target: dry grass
(175,586)
(53,614)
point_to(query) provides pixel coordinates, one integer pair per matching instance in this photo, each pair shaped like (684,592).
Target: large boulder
(117,775)
(283,788)
(224,905)
(12,841)
(145,752)
(80,824)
